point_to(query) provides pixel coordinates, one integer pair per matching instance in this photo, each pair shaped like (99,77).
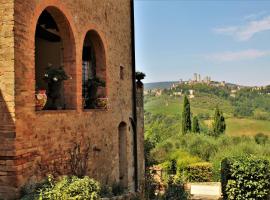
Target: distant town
(207,80)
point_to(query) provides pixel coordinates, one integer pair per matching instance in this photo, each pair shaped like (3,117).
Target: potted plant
(92,100)
(55,76)
(139,76)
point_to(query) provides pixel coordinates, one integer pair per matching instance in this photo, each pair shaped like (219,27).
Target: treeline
(254,104)
(246,103)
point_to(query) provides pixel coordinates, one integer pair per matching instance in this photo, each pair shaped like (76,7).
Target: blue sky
(227,40)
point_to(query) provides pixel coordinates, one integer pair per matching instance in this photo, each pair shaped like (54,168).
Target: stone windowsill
(55,111)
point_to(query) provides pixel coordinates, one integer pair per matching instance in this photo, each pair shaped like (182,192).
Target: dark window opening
(52,68)
(121,72)
(93,73)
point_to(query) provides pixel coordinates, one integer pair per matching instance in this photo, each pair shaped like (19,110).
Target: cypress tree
(186,120)
(195,125)
(219,124)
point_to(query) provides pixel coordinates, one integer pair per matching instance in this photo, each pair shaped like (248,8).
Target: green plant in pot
(92,92)
(55,76)
(139,77)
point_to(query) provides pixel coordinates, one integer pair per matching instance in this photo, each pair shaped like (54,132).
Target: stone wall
(44,138)
(140,134)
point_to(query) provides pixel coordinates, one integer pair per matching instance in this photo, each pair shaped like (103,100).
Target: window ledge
(96,110)
(41,112)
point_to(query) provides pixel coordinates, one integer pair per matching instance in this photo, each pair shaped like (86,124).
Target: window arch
(94,93)
(55,66)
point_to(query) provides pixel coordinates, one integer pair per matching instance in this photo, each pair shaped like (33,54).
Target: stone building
(90,40)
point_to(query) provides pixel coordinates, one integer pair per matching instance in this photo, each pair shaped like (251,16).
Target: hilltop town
(177,88)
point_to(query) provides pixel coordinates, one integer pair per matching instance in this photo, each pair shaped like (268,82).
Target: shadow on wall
(7,149)
(7,126)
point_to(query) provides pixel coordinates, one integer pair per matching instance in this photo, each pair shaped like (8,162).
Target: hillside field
(172,106)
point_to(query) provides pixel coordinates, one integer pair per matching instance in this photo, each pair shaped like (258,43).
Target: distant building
(191,94)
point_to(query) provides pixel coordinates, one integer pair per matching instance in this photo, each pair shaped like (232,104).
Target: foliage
(219,125)
(159,127)
(149,160)
(92,92)
(247,102)
(72,188)
(117,189)
(55,74)
(199,172)
(139,76)
(106,191)
(150,186)
(186,118)
(261,138)
(175,190)
(245,178)
(163,129)
(173,167)
(195,125)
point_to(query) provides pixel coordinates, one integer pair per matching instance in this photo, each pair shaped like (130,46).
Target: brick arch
(96,39)
(68,34)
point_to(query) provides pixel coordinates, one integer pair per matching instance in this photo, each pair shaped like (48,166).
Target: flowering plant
(55,74)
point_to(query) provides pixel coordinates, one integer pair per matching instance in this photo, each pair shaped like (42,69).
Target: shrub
(245,177)
(117,189)
(175,190)
(65,188)
(106,191)
(261,138)
(199,172)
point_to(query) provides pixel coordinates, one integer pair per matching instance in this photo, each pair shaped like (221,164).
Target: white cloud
(237,55)
(246,31)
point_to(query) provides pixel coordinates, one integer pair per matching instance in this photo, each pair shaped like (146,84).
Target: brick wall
(7,104)
(44,138)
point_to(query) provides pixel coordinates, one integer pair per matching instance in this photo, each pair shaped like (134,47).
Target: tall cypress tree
(195,125)
(186,121)
(219,124)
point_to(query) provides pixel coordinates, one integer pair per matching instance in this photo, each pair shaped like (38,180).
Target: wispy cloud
(255,16)
(237,55)
(246,31)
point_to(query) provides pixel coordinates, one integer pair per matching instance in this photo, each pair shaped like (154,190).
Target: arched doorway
(123,155)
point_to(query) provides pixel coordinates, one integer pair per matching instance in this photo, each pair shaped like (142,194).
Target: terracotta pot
(41,99)
(102,103)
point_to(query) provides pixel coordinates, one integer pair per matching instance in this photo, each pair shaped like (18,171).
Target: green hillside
(204,105)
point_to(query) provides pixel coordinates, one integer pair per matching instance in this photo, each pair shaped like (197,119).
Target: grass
(249,127)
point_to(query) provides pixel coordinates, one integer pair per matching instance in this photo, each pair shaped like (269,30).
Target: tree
(195,125)
(219,124)
(186,120)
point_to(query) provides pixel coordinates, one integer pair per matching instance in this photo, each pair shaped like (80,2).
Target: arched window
(55,68)
(94,94)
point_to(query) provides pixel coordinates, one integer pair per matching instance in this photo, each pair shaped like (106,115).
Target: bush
(245,178)
(175,190)
(65,188)
(261,138)
(199,172)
